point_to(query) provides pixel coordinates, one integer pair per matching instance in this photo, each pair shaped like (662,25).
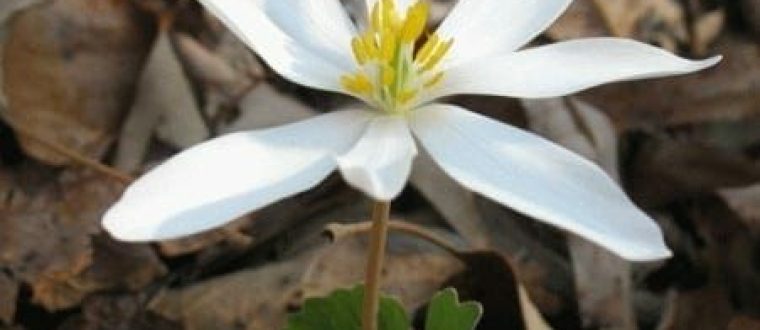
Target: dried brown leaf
(69,69)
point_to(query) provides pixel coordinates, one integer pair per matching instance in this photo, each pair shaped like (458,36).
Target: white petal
(306,41)
(538,178)
(565,68)
(481,28)
(380,163)
(212,183)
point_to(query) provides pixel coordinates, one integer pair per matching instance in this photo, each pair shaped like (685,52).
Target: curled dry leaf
(69,68)
(164,104)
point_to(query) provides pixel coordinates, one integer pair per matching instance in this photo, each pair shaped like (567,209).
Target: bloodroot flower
(476,50)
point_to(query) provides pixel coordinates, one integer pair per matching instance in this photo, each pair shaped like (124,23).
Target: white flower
(474,51)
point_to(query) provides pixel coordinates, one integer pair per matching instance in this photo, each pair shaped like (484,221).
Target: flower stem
(378,237)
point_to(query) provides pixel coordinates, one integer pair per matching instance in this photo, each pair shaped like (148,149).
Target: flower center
(391,73)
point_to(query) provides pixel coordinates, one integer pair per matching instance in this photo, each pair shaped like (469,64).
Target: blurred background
(95,92)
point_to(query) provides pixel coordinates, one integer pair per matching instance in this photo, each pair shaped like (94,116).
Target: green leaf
(445,312)
(341,310)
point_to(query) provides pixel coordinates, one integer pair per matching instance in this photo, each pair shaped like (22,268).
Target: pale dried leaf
(745,201)
(455,203)
(707,28)
(265,107)
(533,318)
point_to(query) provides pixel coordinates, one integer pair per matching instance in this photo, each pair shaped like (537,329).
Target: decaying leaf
(69,69)
(46,242)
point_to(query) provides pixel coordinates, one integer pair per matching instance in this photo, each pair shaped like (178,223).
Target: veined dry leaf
(602,280)
(69,67)
(164,104)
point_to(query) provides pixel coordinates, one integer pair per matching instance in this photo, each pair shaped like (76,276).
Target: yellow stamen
(389,75)
(358,83)
(370,45)
(360,52)
(437,55)
(406,96)
(434,81)
(416,19)
(388,45)
(427,48)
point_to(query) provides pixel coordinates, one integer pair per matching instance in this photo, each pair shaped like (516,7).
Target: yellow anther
(389,75)
(370,45)
(360,52)
(358,83)
(383,15)
(437,54)
(388,45)
(427,48)
(405,96)
(432,82)
(416,19)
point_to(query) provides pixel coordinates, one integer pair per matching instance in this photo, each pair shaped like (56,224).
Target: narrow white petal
(538,178)
(212,183)
(380,163)
(306,41)
(565,68)
(482,28)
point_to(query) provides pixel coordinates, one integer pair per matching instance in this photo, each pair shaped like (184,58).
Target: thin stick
(337,231)
(378,238)
(73,155)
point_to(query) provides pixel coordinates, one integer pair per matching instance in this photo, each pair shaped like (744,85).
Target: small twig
(338,231)
(378,239)
(73,155)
